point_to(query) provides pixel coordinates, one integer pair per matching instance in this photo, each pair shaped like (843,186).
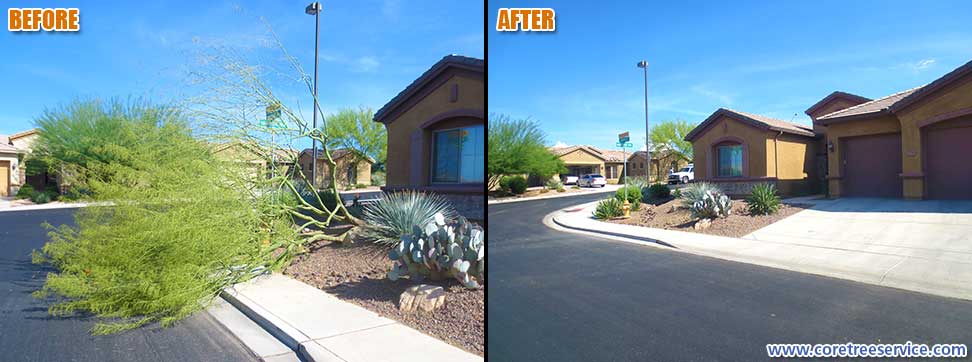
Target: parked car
(592,180)
(569,180)
(684,176)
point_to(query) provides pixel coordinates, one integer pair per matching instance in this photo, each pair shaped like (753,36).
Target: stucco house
(254,160)
(15,151)
(350,170)
(585,159)
(437,132)
(913,144)
(661,163)
(737,150)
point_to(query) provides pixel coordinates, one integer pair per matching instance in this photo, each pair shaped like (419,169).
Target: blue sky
(774,58)
(370,49)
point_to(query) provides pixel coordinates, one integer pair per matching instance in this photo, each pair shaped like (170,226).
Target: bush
(706,201)
(658,192)
(763,200)
(439,249)
(378,178)
(395,214)
(677,193)
(633,193)
(516,185)
(637,181)
(41,197)
(25,192)
(360,186)
(608,208)
(554,184)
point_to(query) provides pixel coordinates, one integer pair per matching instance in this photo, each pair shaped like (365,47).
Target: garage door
(4,178)
(948,147)
(872,165)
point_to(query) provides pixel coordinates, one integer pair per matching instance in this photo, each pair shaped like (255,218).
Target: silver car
(591,180)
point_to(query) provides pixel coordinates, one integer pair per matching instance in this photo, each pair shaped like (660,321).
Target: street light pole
(644,65)
(315,9)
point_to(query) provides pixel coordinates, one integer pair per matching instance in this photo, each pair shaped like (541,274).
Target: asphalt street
(28,333)
(558,296)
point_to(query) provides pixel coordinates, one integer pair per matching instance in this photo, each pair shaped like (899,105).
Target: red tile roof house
(585,159)
(914,144)
(436,134)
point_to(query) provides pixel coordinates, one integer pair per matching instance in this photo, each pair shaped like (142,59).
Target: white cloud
(367,64)
(923,64)
(560,144)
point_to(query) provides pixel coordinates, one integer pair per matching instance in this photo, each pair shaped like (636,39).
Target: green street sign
(273,124)
(624,144)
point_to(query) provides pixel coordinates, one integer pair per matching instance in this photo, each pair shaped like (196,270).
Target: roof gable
(754,120)
(836,95)
(937,84)
(388,112)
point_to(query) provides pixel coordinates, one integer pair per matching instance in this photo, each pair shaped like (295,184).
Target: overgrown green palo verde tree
(670,136)
(355,129)
(516,147)
(178,230)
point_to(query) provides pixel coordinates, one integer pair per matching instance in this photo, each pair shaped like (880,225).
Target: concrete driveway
(928,241)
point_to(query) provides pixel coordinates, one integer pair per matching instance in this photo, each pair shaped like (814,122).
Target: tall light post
(644,65)
(315,9)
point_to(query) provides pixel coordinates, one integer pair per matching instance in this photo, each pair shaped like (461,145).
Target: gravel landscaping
(738,224)
(356,273)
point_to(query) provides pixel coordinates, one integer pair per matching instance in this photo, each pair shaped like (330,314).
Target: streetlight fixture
(314,9)
(644,65)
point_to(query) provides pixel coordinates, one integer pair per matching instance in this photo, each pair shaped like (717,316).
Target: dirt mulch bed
(738,224)
(356,273)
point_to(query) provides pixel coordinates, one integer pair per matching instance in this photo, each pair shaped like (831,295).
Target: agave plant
(395,215)
(440,249)
(706,201)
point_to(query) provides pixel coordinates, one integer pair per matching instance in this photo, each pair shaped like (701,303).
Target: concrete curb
(254,337)
(319,327)
(556,195)
(885,270)
(47,207)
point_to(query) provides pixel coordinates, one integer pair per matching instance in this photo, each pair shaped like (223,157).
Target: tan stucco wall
(341,165)
(796,165)
(471,96)
(581,157)
(955,97)
(836,131)
(755,153)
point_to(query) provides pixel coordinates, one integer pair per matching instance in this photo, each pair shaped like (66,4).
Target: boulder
(702,224)
(422,297)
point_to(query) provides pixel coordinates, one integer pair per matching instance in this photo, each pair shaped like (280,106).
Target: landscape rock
(422,297)
(702,224)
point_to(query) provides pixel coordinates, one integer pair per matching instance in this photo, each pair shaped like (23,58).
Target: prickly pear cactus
(455,248)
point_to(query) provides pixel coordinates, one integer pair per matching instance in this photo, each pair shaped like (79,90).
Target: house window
(458,155)
(730,160)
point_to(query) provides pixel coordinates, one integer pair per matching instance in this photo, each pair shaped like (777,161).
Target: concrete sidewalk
(320,327)
(945,276)
(554,194)
(13,204)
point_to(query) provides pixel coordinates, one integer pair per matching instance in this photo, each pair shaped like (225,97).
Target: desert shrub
(763,200)
(394,215)
(561,189)
(516,185)
(179,229)
(706,201)
(25,192)
(378,178)
(554,184)
(633,193)
(677,193)
(608,208)
(41,197)
(441,248)
(637,181)
(658,191)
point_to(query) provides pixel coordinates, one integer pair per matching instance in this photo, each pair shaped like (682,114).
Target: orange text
(526,19)
(35,19)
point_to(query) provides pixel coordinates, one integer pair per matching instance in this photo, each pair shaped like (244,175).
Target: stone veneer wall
(741,188)
(472,206)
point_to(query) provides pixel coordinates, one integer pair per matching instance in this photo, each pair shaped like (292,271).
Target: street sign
(273,111)
(624,144)
(624,137)
(273,117)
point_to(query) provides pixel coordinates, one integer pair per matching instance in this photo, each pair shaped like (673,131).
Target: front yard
(357,273)
(738,224)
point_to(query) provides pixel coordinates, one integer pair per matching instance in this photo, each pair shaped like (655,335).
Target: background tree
(356,130)
(670,136)
(517,147)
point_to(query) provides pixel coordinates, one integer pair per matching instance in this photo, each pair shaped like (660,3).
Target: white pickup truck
(683,176)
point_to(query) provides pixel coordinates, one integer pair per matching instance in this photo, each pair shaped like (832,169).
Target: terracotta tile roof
(447,61)
(335,153)
(606,155)
(6,148)
(880,105)
(754,120)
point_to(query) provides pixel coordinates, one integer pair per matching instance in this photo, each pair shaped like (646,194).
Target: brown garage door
(948,147)
(4,178)
(872,165)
